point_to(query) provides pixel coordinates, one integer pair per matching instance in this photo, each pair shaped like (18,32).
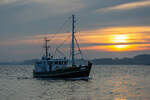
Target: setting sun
(120,46)
(120,38)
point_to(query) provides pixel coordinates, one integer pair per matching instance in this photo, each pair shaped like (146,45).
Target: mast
(46,47)
(73,21)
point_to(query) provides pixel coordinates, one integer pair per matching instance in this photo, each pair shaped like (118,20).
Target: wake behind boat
(50,67)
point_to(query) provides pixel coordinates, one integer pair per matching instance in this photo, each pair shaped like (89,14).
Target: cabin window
(65,62)
(44,62)
(50,62)
(56,62)
(38,62)
(60,62)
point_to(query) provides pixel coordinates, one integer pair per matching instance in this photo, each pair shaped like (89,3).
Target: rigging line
(84,57)
(57,48)
(80,52)
(70,52)
(78,35)
(60,52)
(66,34)
(61,27)
(63,41)
(42,50)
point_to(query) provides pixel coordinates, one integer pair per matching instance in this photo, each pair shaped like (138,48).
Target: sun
(119,39)
(120,46)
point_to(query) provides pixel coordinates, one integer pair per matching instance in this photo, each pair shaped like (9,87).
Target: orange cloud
(116,39)
(130,38)
(35,39)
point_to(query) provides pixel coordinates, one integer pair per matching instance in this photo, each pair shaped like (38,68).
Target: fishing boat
(59,68)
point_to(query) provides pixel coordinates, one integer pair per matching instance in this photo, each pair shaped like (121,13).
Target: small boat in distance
(50,67)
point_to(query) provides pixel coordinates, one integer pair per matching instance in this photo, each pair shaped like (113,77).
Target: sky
(105,28)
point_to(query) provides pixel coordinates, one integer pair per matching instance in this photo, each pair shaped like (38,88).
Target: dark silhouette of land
(143,59)
(26,62)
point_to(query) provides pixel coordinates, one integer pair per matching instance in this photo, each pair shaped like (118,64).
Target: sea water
(107,82)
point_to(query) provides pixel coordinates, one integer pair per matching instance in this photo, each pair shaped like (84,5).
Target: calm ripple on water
(108,82)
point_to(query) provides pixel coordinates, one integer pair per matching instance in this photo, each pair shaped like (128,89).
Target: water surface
(108,82)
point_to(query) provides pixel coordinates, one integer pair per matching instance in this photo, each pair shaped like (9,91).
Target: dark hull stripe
(69,74)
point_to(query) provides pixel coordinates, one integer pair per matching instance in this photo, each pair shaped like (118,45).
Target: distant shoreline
(143,59)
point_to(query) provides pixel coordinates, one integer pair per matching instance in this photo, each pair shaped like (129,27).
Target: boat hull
(72,73)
